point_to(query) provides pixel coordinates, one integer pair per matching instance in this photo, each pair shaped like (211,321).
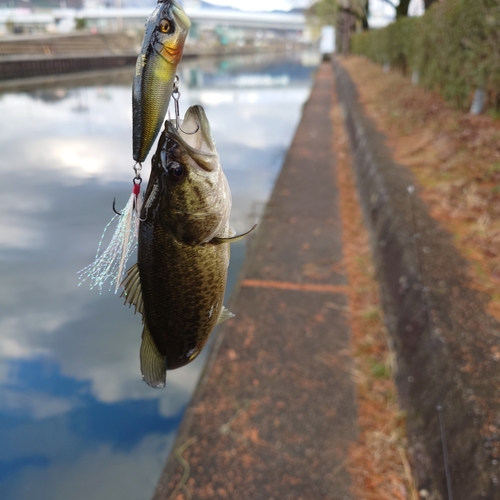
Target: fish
(179,280)
(161,52)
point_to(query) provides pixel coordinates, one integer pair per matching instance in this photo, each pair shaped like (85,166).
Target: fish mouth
(195,135)
(180,16)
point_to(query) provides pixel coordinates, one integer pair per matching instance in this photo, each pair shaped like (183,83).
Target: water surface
(76,420)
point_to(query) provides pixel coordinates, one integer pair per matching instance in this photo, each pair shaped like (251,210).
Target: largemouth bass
(180,277)
(162,47)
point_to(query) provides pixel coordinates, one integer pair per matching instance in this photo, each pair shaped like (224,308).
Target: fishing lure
(161,52)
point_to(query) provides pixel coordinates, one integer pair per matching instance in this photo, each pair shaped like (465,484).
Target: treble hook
(146,216)
(114,207)
(176,96)
(136,181)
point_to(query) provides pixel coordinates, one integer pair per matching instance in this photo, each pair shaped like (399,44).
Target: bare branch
(390,3)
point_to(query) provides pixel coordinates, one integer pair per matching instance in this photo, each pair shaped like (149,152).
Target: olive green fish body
(161,52)
(180,277)
(183,290)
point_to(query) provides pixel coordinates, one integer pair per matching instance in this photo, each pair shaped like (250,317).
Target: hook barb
(189,133)
(114,207)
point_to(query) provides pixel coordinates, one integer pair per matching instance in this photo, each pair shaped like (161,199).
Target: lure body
(161,52)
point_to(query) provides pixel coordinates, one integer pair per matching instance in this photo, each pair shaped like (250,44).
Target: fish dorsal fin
(153,364)
(132,289)
(231,239)
(225,314)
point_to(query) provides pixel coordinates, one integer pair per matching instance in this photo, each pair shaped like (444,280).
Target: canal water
(76,420)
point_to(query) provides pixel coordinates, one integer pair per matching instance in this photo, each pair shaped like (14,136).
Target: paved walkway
(276,411)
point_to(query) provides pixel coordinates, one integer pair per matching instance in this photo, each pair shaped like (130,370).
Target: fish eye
(164,26)
(176,171)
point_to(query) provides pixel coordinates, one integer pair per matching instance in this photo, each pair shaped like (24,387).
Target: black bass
(180,277)
(161,52)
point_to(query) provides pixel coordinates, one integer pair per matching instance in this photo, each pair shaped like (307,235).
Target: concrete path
(275,411)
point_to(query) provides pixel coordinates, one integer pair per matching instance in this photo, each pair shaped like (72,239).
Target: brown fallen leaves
(455,158)
(378,463)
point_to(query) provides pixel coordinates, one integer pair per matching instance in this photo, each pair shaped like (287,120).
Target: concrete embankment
(448,374)
(35,56)
(275,411)
(46,55)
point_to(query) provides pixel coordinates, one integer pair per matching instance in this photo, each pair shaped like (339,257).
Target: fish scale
(181,286)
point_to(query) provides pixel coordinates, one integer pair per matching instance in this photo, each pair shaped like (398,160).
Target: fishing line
(439,405)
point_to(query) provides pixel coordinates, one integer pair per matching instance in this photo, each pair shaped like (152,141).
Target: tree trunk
(402,8)
(346,24)
(428,3)
(365,14)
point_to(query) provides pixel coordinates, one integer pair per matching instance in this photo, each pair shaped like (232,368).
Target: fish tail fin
(153,364)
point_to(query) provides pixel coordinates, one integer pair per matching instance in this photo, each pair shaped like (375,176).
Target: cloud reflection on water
(99,473)
(75,415)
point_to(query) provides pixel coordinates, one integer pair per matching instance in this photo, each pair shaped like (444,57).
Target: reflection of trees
(55,94)
(223,72)
(56,4)
(80,107)
(196,73)
(57,88)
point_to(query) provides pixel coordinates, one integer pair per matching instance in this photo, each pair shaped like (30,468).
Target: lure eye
(164,26)
(176,171)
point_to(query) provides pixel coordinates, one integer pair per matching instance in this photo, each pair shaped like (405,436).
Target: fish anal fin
(153,364)
(225,314)
(231,239)
(132,289)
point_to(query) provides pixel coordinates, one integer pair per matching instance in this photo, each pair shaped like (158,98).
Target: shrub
(455,47)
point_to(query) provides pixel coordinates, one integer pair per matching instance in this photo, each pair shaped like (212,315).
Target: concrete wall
(448,381)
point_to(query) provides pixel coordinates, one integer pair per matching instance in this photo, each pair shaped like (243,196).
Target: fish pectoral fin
(225,314)
(153,364)
(132,289)
(231,239)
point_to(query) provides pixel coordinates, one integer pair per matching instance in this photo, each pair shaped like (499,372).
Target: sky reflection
(75,415)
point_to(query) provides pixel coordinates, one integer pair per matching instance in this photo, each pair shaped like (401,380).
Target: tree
(346,15)
(402,9)
(364,14)
(346,26)
(428,3)
(323,10)
(326,12)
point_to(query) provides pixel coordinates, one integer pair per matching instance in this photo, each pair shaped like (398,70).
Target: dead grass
(455,158)
(378,462)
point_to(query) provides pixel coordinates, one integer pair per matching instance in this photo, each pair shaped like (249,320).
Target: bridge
(137,16)
(236,18)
